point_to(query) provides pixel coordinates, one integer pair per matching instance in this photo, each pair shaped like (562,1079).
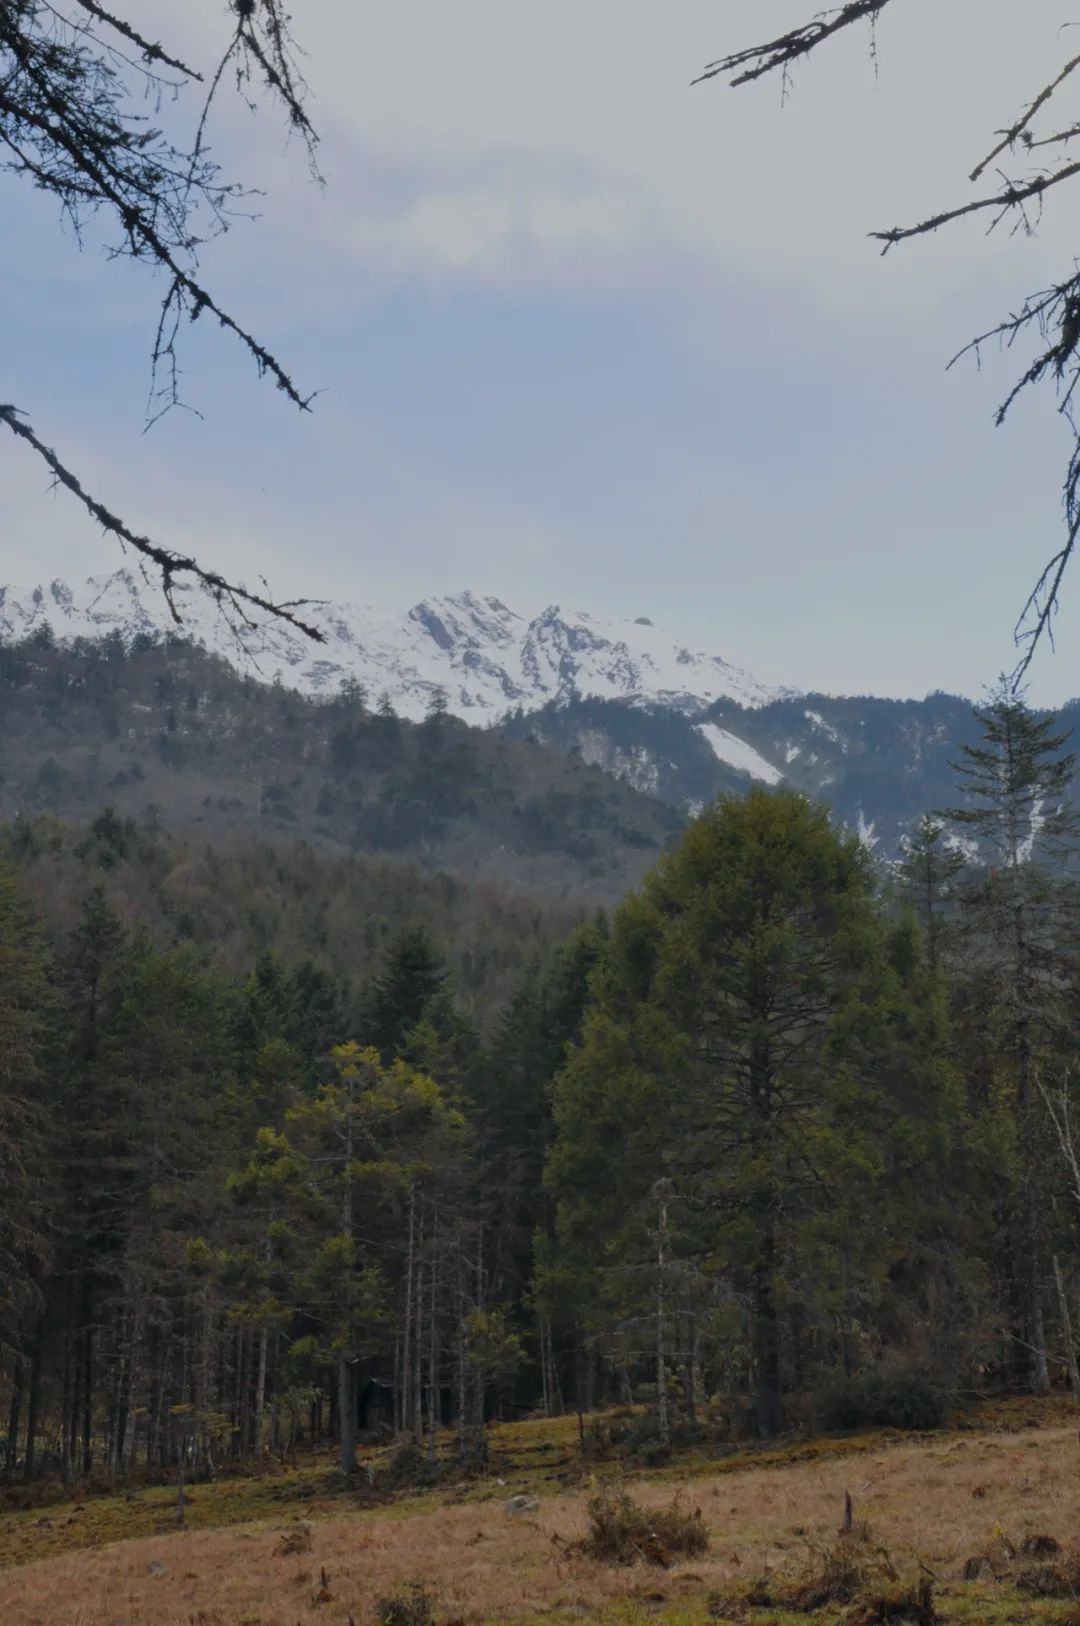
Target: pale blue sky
(587,336)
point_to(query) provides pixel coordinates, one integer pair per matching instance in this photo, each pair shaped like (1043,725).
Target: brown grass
(479,1564)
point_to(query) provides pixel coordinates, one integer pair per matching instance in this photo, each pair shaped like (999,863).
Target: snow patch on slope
(737,754)
(865,832)
(818,721)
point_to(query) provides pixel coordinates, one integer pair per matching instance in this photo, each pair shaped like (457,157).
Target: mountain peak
(486,656)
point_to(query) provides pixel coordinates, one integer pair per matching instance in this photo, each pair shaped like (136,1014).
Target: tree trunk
(34,1404)
(770,1408)
(260,1392)
(15,1414)
(1067,1330)
(88,1400)
(406,1352)
(433,1351)
(662,1416)
(346,1418)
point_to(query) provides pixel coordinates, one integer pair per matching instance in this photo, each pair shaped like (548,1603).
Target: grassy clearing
(934,1505)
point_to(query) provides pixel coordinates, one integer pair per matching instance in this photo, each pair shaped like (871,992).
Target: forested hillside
(775,1146)
(876,763)
(234,898)
(165,733)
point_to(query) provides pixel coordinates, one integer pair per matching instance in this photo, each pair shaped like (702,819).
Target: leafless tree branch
(236,601)
(73,121)
(1051,316)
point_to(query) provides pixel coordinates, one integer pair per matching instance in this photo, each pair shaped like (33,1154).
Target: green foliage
(752,1046)
(895,1397)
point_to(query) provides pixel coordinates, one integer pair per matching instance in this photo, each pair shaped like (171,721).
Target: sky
(585,334)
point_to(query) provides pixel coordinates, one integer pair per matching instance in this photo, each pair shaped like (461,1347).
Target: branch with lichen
(76,81)
(236,601)
(1052,315)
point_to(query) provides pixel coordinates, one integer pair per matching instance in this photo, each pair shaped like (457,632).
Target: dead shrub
(623,1532)
(850,1568)
(1048,1574)
(414,1606)
(295,1540)
(897,1606)
(1040,1566)
(1040,1547)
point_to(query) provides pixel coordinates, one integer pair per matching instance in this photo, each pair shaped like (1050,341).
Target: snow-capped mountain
(488,659)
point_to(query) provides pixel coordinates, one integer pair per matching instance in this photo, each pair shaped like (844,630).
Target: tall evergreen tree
(1022,916)
(413,977)
(25,1005)
(927,876)
(727,1103)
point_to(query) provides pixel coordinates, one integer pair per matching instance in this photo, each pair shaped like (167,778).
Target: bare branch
(779,54)
(1053,315)
(1010,197)
(151,51)
(1012,135)
(235,600)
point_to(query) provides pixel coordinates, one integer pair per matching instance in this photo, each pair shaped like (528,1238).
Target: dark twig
(149,49)
(760,60)
(1053,315)
(234,599)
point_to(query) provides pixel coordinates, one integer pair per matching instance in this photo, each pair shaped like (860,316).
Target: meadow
(974,1524)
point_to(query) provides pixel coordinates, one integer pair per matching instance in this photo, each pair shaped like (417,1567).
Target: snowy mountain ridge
(488,659)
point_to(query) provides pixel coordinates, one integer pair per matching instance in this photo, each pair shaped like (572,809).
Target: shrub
(414,1606)
(855,1573)
(295,1540)
(623,1532)
(408,1465)
(639,1438)
(897,1398)
(1047,1570)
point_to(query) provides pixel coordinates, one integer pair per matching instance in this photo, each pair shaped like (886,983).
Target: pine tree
(365,1146)
(733,1060)
(927,875)
(1022,914)
(413,976)
(25,1013)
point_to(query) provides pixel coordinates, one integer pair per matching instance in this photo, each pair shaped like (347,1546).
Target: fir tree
(1022,917)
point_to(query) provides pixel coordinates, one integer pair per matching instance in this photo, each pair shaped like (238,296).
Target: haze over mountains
(675,723)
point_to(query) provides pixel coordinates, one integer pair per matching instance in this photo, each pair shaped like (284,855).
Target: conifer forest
(785,1139)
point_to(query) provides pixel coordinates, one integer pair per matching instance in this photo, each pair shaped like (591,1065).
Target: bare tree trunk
(767,1338)
(662,1416)
(545,1374)
(88,1400)
(1066,1327)
(418,1340)
(406,1353)
(15,1414)
(34,1404)
(260,1391)
(346,1418)
(433,1363)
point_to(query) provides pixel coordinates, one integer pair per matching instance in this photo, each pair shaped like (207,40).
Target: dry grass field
(932,1503)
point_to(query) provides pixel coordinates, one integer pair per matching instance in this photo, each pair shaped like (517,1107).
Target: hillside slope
(168,734)
(878,764)
(236,897)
